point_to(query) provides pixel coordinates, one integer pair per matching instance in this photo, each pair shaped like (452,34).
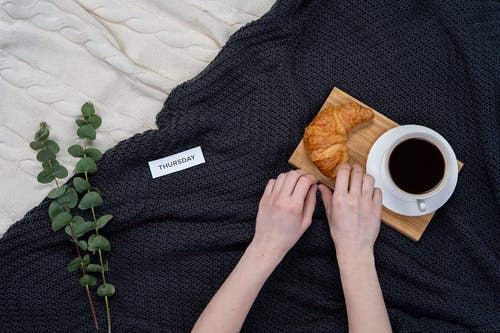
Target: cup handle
(421,205)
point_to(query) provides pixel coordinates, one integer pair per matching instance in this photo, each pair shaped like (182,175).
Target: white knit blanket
(125,56)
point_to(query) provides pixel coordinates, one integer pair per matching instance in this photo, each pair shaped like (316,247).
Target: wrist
(355,257)
(265,254)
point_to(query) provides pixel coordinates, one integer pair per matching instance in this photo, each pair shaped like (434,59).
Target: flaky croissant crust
(326,136)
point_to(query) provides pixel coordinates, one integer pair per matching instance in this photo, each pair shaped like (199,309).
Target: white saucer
(390,199)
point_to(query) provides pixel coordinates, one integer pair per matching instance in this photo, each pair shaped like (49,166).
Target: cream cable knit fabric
(124,56)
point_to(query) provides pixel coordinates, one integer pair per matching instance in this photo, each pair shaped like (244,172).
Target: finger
(291,180)
(280,180)
(377,196)
(367,187)
(326,196)
(342,180)
(356,179)
(269,187)
(303,185)
(309,205)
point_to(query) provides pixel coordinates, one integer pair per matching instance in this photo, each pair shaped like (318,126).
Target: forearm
(366,311)
(228,309)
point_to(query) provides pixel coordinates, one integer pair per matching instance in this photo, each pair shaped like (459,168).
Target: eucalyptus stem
(91,199)
(82,266)
(108,315)
(47,150)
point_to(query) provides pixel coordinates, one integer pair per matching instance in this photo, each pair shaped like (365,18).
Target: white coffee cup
(397,199)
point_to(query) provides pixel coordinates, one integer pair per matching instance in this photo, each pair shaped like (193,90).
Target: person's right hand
(285,212)
(353,211)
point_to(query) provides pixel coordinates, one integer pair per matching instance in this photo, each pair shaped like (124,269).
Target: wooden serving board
(360,140)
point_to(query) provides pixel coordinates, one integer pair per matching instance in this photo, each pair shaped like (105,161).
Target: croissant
(326,136)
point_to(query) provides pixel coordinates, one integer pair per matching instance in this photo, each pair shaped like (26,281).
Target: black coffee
(416,166)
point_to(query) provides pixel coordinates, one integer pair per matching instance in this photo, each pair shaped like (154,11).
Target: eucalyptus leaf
(106,290)
(49,165)
(74,264)
(61,220)
(66,197)
(101,222)
(45,156)
(60,171)
(89,200)
(89,242)
(88,109)
(73,198)
(42,133)
(55,209)
(52,146)
(83,245)
(95,121)
(80,122)
(86,259)
(82,228)
(80,184)
(93,268)
(76,150)
(93,153)
(45,177)
(97,268)
(37,145)
(98,242)
(67,230)
(88,280)
(86,164)
(57,192)
(86,132)
(70,198)
(78,220)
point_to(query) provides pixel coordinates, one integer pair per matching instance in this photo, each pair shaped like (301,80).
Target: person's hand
(285,212)
(353,211)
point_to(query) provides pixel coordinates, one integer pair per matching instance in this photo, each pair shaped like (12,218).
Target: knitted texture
(176,238)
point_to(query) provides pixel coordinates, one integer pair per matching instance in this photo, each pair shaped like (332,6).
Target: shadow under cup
(416,166)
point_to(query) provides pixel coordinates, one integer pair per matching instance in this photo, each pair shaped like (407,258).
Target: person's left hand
(285,212)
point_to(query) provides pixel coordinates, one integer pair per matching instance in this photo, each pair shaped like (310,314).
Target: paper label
(177,162)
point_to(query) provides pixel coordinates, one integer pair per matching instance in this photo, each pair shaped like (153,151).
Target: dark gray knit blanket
(177,237)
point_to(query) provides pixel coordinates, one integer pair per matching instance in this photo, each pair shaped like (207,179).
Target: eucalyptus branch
(92,197)
(64,198)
